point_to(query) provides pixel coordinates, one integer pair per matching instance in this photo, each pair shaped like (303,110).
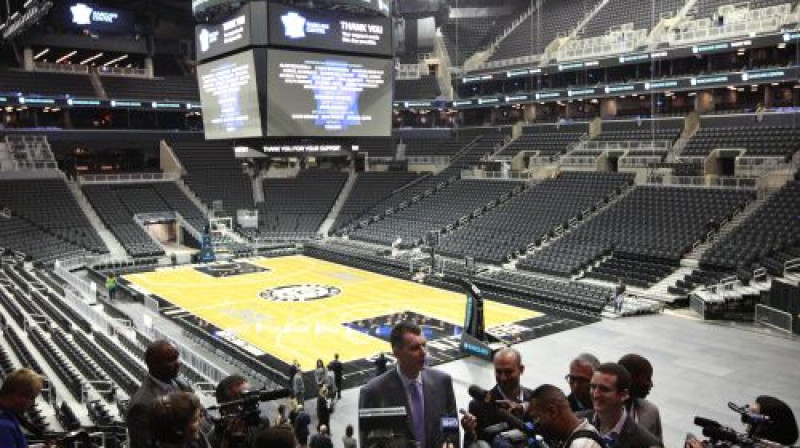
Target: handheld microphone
(748,416)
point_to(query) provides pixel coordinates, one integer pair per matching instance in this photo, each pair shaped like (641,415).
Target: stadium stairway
(114,247)
(727,228)
(325,228)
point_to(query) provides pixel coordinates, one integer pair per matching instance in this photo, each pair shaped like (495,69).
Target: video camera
(723,436)
(238,417)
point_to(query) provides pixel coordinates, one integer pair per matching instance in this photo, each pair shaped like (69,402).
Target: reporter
(175,422)
(783,426)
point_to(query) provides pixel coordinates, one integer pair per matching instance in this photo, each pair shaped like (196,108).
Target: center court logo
(299,293)
(81,14)
(294,25)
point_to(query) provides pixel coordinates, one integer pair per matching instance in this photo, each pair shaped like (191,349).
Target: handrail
(790,266)
(60,68)
(652,145)
(496,175)
(127,178)
(743,183)
(753,22)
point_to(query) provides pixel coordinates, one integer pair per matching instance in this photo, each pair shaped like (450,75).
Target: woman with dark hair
(348,441)
(783,425)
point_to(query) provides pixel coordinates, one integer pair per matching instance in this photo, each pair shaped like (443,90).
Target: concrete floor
(699,367)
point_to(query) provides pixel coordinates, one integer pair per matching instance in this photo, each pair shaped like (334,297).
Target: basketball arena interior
(273,182)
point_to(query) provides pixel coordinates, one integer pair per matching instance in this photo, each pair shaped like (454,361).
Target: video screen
(319,95)
(229,96)
(329,30)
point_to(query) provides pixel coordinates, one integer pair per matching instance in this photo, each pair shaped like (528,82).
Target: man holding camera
(507,395)
(239,423)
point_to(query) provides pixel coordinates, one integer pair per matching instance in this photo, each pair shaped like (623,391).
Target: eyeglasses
(576,379)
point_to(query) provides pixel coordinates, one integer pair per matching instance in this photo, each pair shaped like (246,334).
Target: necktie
(417,412)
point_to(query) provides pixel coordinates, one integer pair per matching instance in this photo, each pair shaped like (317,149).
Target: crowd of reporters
(606,407)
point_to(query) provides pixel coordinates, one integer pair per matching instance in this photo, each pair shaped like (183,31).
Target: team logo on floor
(299,293)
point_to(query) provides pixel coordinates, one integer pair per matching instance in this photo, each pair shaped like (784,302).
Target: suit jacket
(576,405)
(646,414)
(388,390)
(487,414)
(632,435)
(138,418)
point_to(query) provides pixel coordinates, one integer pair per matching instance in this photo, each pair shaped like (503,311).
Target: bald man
(508,394)
(163,364)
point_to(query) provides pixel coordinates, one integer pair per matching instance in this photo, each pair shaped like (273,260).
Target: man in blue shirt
(17,394)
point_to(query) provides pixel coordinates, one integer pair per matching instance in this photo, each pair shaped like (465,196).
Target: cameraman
(239,423)
(508,394)
(555,421)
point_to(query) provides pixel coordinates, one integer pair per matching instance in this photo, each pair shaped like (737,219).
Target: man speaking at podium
(426,394)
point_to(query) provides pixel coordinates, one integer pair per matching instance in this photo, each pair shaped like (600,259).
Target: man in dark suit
(426,394)
(610,388)
(337,368)
(580,374)
(507,394)
(641,410)
(163,364)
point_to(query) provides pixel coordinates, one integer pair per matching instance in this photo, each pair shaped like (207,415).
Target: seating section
(781,140)
(771,228)
(531,216)
(643,15)
(46,84)
(369,189)
(177,201)
(299,205)
(535,33)
(547,142)
(214,174)
(434,147)
(378,146)
(651,224)
(559,294)
(46,219)
(465,36)
(424,88)
(658,130)
(116,205)
(170,89)
(436,212)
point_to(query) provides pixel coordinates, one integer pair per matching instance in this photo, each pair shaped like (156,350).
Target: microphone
(748,416)
(482,395)
(706,423)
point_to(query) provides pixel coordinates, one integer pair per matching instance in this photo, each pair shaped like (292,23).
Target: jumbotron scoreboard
(280,70)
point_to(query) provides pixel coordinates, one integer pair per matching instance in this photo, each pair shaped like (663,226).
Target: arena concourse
(267,184)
